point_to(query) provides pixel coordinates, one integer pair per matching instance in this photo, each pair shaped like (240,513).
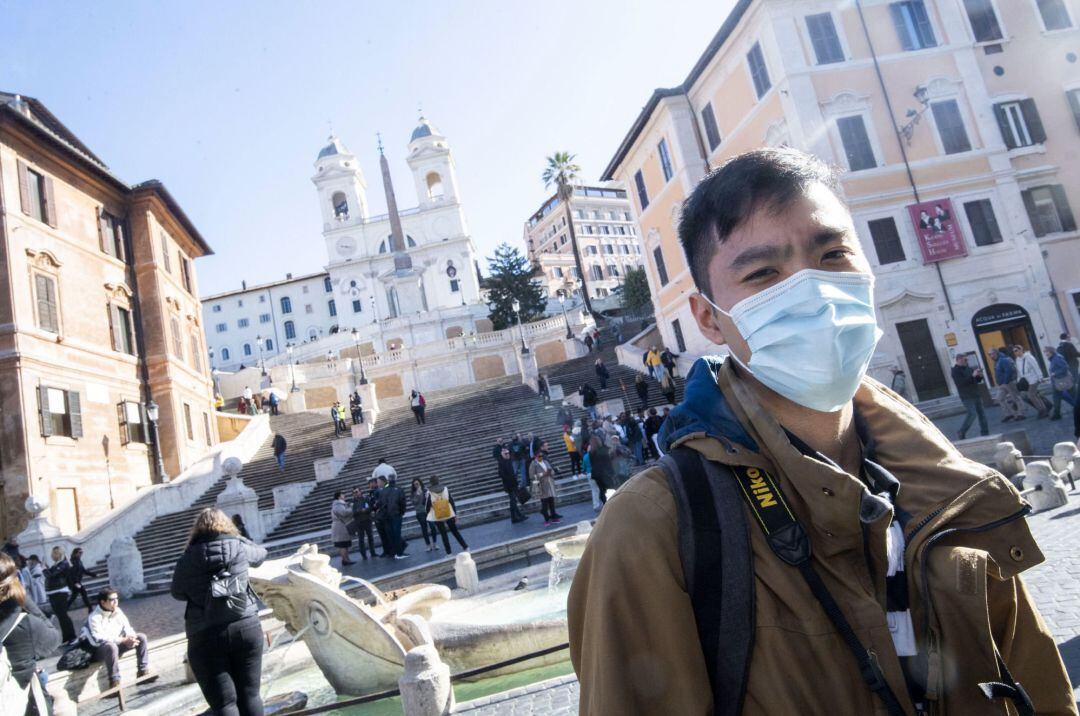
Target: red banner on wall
(937,229)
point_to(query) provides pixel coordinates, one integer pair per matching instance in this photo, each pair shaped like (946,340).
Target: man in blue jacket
(1005,377)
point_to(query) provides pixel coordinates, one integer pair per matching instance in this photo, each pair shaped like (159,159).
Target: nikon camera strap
(789,542)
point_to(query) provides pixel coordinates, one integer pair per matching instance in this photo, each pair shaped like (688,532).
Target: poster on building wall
(937,229)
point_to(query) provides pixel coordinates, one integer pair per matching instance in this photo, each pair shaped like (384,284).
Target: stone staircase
(163,540)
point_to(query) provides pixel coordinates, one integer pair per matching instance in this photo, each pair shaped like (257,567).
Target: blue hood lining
(704,409)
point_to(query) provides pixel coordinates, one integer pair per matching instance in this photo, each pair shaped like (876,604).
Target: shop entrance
(1002,325)
(926,375)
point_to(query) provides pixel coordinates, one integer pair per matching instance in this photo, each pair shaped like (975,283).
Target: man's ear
(705,315)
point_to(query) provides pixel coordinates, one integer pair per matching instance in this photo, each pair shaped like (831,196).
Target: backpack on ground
(440,506)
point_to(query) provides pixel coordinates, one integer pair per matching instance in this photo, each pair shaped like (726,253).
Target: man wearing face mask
(810,543)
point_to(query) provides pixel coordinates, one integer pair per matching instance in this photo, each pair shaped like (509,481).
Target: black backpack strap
(1008,688)
(714,548)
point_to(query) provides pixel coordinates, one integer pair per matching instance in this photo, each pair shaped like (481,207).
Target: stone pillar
(1064,459)
(40,535)
(1008,460)
(1048,491)
(574,348)
(530,372)
(468,580)
(239,499)
(296,403)
(125,567)
(362,430)
(425,685)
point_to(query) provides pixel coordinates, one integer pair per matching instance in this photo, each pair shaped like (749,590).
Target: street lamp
(152,413)
(374,316)
(521,330)
(356,343)
(562,304)
(262,365)
(292,371)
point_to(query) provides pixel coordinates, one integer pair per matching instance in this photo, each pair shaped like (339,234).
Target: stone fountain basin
(567,547)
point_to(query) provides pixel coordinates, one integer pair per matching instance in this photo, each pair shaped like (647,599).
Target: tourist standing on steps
(542,474)
(1005,377)
(588,399)
(967,380)
(418,495)
(334,419)
(25,634)
(341,416)
(58,592)
(603,473)
(602,373)
(564,416)
(224,635)
(667,359)
(273,400)
(356,407)
(652,427)
(542,388)
(279,446)
(519,454)
(572,451)
(588,340)
(641,386)
(418,405)
(75,578)
(374,488)
(509,477)
(1062,382)
(392,507)
(362,521)
(442,513)
(667,387)
(340,517)
(1030,375)
(652,360)
(110,634)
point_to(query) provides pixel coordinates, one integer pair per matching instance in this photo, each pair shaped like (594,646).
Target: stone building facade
(970,105)
(99,321)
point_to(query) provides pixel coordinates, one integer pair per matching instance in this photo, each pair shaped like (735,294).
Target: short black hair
(105,593)
(728,196)
(337,495)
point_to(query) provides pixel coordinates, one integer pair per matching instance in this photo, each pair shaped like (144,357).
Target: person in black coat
(391,509)
(642,388)
(225,638)
(588,399)
(362,508)
(603,472)
(58,592)
(602,373)
(967,381)
(27,639)
(75,578)
(508,476)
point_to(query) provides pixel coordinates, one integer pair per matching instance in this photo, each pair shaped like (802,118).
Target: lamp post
(356,344)
(262,364)
(152,413)
(521,329)
(562,305)
(292,371)
(214,374)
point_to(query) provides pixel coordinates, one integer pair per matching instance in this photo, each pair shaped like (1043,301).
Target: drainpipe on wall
(697,131)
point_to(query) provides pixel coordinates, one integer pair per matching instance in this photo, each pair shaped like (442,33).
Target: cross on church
(378,135)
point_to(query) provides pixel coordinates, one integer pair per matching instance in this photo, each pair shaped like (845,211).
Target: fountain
(360,644)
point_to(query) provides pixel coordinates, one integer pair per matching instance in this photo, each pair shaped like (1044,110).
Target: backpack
(14,698)
(226,597)
(440,506)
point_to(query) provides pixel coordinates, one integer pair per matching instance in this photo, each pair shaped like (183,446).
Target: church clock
(346,246)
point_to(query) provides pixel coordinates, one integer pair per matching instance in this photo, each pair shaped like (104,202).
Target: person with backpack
(26,636)
(442,513)
(362,522)
(109,634)
(418,495)
(221,620)
(810,543)
(279,446)
(542,474)
(75,578)
(58,592)
(418,405)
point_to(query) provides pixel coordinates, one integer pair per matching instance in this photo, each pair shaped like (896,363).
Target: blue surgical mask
(810,336)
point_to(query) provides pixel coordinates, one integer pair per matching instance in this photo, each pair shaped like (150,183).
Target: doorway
(927,377)
(1001,325)
(66,510)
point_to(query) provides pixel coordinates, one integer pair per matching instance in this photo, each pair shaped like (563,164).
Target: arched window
(224,354)
(340,204)
(286,304)
(434,186)
(313,334)
(326,284)
(409,243)
(269,344)
(247,349)
(290,331)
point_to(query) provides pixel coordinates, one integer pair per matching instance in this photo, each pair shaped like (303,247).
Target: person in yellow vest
(655,365)
(572,451)
(442,512)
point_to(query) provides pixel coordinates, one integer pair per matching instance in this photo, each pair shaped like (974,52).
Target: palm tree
(563,172)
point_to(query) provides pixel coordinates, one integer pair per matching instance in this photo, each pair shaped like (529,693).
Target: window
(120,327)
(177,344)
(35,193)
(680,342)
(596,272)
(269,344)
(290,330)
(357,305)
(1055,15)
(639,184)
(308,308)
(588,228)
(111,235)
(580,214)
(886,241)
(661,269)
(983,19)
(132,422)
(1074,103)
(262,299)
(712,132)
(242,323)
(303,289)
(1048,209)
(332,306)
(758,72)
(206,429)
(609,249)
(950,126)
(247,349)
(264,318)
(216,308)
(196,363)
(286,304)
(626,216)
(557,272)
(912,25)
(326,285)
(185,272)
(984,226)
(225,354)
(48,311)
(165,260)
(455,285)
(61,412)
(606,230)
(221,327)
(621,230)
(824,38)
(340,205)
(187,422)
(1019,123)
(591,250)
(614,216)
(240,303)
(860,155)
(613,270)
(665,161)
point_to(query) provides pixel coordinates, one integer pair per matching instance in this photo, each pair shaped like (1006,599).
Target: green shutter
(1033,121)
(75,413)
(43,408)
(1068,223)
(125,429)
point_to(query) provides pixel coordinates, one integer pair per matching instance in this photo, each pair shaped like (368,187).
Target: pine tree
(510,276)
(634,293)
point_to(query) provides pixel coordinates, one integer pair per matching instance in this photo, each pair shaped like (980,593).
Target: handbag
(1063,384)
(524,494)
(1022,385)
(226,597)
(75,657)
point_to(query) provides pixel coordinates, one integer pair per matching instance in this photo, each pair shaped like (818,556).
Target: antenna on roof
(420,109)
(330,124)
(379,136)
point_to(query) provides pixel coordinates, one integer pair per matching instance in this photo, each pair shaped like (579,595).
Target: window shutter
(1029,205)
(75,413)
(125,429)
(1068,223)
(125,245)
(906,41)
(50,203)
(103,232)
(1003,125)
(1033,121)
(24,188)
(922,21)
(43,408)
(1074,103)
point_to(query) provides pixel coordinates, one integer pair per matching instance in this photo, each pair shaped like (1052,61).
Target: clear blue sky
(228,103)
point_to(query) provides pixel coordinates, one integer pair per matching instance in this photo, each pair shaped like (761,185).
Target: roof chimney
(243,285)
(288,277)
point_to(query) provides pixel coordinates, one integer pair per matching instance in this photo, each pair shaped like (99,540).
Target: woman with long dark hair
(58,592)
(225,639)
(25,634)
(75,578)
(418,493)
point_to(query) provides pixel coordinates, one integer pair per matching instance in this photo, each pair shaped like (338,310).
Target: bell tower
(432,166)
(340,184)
